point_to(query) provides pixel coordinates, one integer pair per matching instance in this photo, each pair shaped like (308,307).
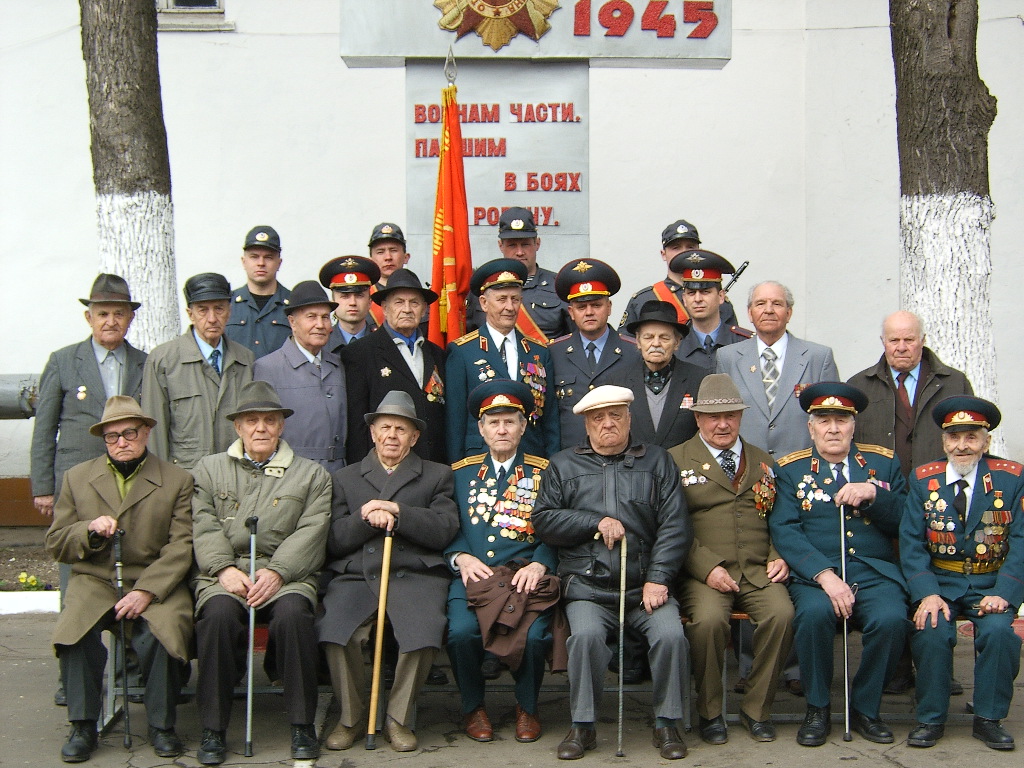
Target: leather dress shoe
(816,727)
(795,687)
(992,733)
(956,688)
(900,683)
(871,728)
(344,736)
(165,742)
(436,676)
(60,699)
(401,738)
(478,726)
(926,734)
(741,686)
(305,745)
(760,730)
(491,668)
(81,743)
(713,731)
(669,743)
(632,676)
(527,726)
(576,742)
(212,749)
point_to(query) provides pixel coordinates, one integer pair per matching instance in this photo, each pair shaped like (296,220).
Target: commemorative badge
(496,21)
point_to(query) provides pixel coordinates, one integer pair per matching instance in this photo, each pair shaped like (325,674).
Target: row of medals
(510,513)
(989,541)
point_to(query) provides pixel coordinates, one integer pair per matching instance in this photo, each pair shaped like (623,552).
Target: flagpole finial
(451,70)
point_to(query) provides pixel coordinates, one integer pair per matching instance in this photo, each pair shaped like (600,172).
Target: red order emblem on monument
(496,21)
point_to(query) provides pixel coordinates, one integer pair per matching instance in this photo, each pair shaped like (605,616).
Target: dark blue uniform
(260,330)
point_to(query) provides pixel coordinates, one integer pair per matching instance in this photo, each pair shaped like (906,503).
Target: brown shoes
(478,725)
(576,742)
(527,726)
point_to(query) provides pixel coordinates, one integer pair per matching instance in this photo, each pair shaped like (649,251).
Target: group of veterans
(545,481)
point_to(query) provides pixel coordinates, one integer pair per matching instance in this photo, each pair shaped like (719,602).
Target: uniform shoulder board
(561,339)
(469,461)
(881,450)
(1006,465)
(468,337)
(789,458)
(628,340)
(742,332)
(927,470)
(535,461)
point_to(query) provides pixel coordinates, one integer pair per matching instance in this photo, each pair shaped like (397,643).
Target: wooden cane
(119,580)
(622,632)
(378,643)
(251,523)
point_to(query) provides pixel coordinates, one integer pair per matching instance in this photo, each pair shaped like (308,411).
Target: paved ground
(33,729)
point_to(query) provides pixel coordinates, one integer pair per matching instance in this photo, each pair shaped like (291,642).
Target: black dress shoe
(304,743)
(900,683)
(212,749)
(992,733)
(491,668)
(956,688)
(165,742)
(81,743)
(669,743)
(760,730)
(436,676)
(926,734)
(576,742)
(632,675)
(816,727)
(871,728)
(60,699)
(713,731)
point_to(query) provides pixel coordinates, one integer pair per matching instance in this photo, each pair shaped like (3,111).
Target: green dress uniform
(962,561)
(495,527)
(805,530)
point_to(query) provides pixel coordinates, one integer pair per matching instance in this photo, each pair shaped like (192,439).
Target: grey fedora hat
(718,394)
(258,397)
(108,288)
(397,403)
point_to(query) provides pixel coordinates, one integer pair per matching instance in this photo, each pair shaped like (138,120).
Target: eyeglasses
(111,438)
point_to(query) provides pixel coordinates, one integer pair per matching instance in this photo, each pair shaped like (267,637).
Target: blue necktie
(215,360)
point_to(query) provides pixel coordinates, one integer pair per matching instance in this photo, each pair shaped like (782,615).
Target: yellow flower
(22,577)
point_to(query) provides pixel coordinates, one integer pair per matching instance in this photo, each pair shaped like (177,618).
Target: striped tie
(771,376)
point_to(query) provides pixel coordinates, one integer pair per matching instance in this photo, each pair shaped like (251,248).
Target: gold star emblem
(385,371)
(705,466)
(496,21)
(753,369)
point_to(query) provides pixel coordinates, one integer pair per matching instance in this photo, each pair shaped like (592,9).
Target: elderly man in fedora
(259,475)
(591,498)
(390,489)
(732,565)
(310,379)
(148,501)
(191,382)
(75,385)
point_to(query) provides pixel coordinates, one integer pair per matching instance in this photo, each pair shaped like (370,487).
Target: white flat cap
(602,397)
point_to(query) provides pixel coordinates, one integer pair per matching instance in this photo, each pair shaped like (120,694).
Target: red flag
(452,263)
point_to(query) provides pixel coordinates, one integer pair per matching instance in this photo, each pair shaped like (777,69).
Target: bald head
(903,339)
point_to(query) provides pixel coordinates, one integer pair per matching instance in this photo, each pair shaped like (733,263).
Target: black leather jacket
(640,488)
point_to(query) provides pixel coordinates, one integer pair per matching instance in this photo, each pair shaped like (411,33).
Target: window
(192,16)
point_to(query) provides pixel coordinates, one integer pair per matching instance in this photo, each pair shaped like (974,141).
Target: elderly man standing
(732,565)
(190,383)
(349,278)
(309,379)
(591,498)
(147,502)
(258,308)
(838,508)
(663,386)
(962,551)
(496,492)
(498,350)
(75,384)
(391,489)
(258,476)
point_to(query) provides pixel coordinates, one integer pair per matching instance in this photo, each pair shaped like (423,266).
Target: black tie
(592,355)
(501,476)
(728,463)
(501,349)
(709,345)
(840,477)
(960,500)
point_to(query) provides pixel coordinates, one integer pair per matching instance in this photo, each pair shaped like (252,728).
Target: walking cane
(378,643)
(622,631)
(846,630)
(119,581)
(250,523)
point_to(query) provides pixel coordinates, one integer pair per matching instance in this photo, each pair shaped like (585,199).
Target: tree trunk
(130,166)
(943,115)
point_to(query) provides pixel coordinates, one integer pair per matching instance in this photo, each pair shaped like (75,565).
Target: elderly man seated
(147,502)
(391,489)
(259,475)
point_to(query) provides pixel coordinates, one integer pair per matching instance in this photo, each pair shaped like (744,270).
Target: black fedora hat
(657,312)
(110,289)
(308,293)
(404,279)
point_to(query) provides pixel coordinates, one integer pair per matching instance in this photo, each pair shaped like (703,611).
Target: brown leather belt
(966,566)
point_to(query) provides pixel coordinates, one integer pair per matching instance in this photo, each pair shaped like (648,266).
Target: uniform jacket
(784,429)
(190,401)
(539,299)
(994,532)
(573,379)
(427,521)
(877,424)
(494,523)
(317,395)
(156,548)
(291,496)
(677,423)
(374,366)
(730,523)
(472,359)
(641,489)
(805,521)
(337,342)
(261,331)
(692,351)
(71,399)
(638,299)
